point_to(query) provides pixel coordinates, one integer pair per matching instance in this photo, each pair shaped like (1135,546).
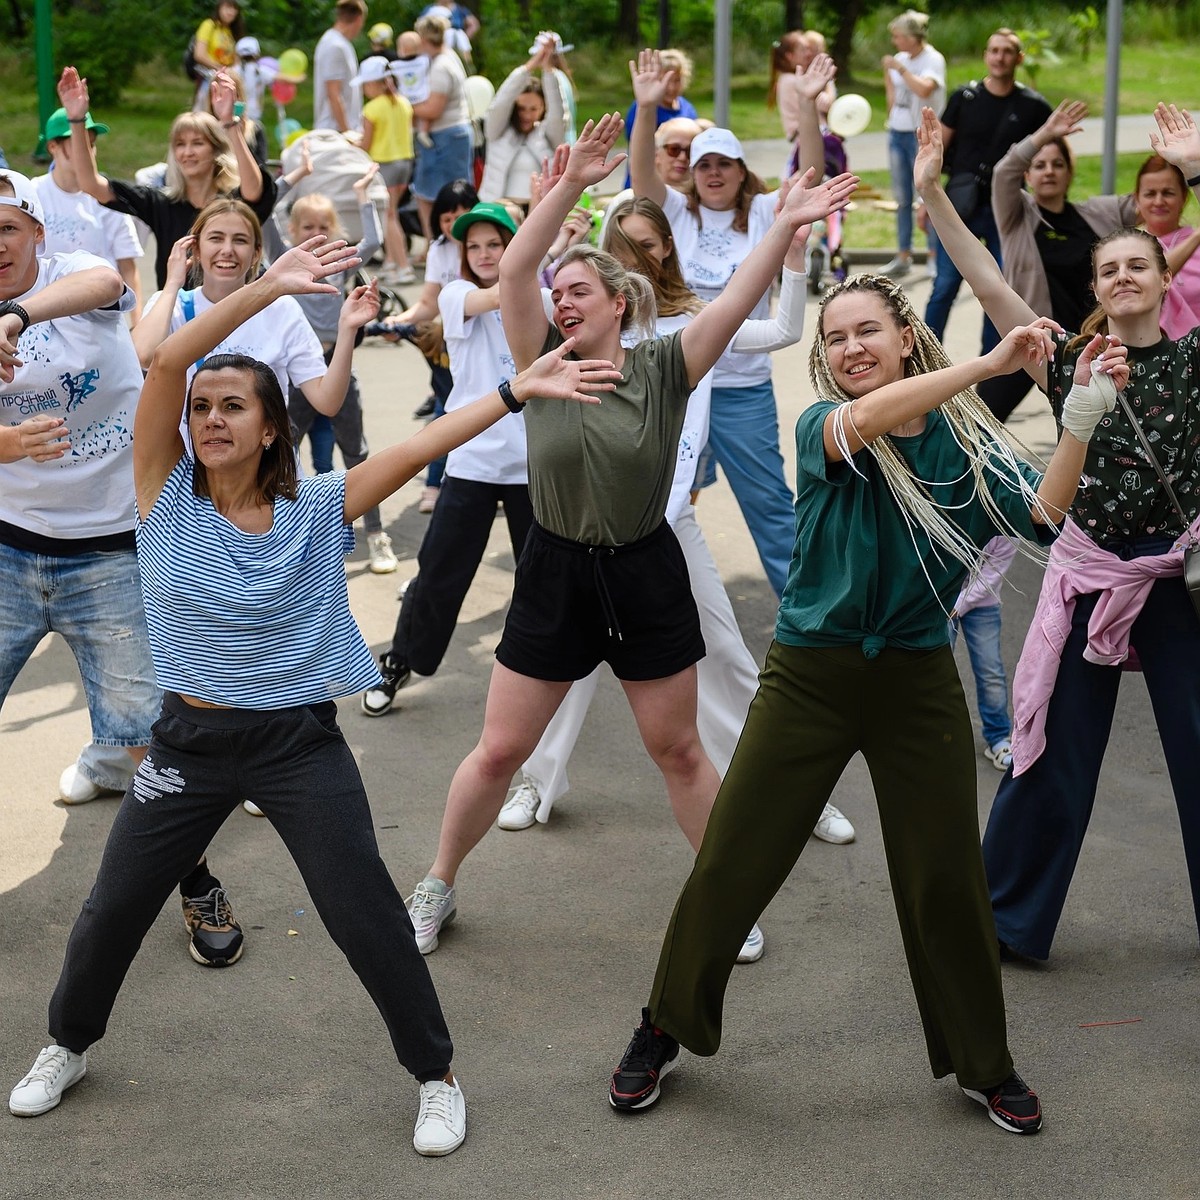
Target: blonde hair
(677,60)
(225,172)
(220,207)
(641,311)
(912,24)
(990,449)
(432,29)
(315,204)
(672,295)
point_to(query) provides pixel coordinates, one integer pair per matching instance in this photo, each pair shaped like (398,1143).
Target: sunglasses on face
(674,149)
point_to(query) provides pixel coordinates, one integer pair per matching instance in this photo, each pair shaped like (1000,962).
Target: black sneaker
(215,937)
(650,1056)
(378,700)
(1011,1104)
(426,408)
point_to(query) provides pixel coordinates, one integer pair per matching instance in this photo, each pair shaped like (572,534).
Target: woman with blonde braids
(902,477)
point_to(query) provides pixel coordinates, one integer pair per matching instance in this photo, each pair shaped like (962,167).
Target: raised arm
(1006,309)
(1008,178)
(554,376)
(706,337)
(585,164)
(222,95)
(787,326)
(157,444)
(810,86)
(650,79)
(1178,141)
(155,326)
(73,95)
(327,393)
(499,112)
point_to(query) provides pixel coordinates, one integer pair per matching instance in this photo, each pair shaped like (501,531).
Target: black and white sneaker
(378,700)
(651,1054)
(1013,1105)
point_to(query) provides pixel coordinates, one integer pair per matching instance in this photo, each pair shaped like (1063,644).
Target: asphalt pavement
(274,1078)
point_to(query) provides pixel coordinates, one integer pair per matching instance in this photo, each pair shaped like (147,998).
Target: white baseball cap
(248,47)
(25,198)
(371,70)
(716,141)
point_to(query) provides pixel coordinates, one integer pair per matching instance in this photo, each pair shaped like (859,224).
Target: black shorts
(575,606)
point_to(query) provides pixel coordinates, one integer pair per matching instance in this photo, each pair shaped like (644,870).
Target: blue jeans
(320,442)
(95,602)
(945,287)
(743,438)
(981,631)
(1039,818)
(902,153)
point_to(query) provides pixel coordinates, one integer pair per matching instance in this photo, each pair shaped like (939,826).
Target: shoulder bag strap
(1145,442)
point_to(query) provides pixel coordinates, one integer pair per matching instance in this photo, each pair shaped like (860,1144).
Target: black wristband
(510,401)
(1194,181)
(231,124)
(76,120)
(11,306)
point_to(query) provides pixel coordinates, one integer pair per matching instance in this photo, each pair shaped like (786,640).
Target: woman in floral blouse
(1114,582)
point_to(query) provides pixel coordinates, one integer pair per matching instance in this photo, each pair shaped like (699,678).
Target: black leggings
(297,766)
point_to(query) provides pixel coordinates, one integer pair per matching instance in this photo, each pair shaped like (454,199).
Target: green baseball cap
(485,210)
(58,126)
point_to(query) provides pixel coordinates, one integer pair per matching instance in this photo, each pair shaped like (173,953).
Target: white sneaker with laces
(753,947)
(442,1120)
(1000,755)
(431,907)
(54,1070)
(833,827)
(381,560)
(74,787)
(520,809)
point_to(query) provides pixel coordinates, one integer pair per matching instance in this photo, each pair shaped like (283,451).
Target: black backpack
(191,68)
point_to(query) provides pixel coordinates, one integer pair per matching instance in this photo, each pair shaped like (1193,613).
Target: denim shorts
(95,602)
(448,159)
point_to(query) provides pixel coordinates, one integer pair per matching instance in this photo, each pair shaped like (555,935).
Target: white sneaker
(1000,755)
(520,809)
(833,827)
(74,787)
(253,808)
(431,906)
(442,1121)
(753,947)
(54,1070)
(381,560)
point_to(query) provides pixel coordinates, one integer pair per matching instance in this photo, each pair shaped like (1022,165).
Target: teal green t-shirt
(859,574)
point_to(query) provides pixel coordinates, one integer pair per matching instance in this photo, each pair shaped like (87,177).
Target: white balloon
(849,114)
(480,92)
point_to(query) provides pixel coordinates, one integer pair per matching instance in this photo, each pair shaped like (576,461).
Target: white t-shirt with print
(85,369)
(448,78)
(709,252)
(74,221)
(480,360)
(279,336)
(905,114)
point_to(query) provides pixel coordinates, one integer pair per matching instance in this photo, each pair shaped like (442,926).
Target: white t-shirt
(279,336)
(447,76)
(412,77)
(334,59)
(709,253)
(74,221)
(85,369)
(443,262)
(905,114)
(480,360)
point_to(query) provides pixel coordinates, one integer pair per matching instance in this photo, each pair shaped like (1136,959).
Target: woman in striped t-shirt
(252,638)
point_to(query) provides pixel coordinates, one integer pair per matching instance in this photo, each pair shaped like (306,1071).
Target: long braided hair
(990,449)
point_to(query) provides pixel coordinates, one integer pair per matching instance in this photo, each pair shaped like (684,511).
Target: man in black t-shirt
(979,124)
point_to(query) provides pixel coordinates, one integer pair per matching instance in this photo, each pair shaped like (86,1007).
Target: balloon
(849,114)
(292,131)
(293,66)
(268,68)
(283,90)
(479,95)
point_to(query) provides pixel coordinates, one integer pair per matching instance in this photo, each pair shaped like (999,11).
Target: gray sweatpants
(297,766)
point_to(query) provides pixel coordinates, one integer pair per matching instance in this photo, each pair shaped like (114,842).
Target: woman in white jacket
(524,123)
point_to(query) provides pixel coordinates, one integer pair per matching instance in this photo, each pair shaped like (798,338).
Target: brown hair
(671,294)
(779,61)
(532,88)
(1156,163)
(219,207)
(751,186)
(1064,148)
(1097,320)
(277,465)
(615,279)
(465,271)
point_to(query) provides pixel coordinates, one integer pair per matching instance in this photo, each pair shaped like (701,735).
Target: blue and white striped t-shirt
(253,620)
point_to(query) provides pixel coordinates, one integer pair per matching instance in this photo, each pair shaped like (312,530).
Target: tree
(628,28)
